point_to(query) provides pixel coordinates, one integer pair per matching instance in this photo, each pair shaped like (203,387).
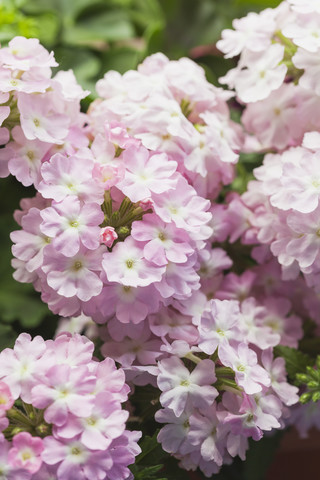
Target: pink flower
(71,224)
(26,452)
(206,431)
(126,265)
(6,398)
(146,173)
(257,74)
(75,461)
(24,54)
(40,120)
(287,393)
(30,242)
(252,32)
(219,325)
(164,242)
(248,374)
(106,422)
(7,471)
(181,388)
(129,304)
(74,276)
(26,157)
(299,182)
(183,207)
(65,390)
(64,176)
(19,366)
(304,245)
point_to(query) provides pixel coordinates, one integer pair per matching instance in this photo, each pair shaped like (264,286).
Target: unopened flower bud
(108,235)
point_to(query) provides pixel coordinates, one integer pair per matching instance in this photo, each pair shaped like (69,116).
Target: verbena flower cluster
(60,412)
(118,228)
(234,391)
(276,80)
(39,115)
(128,228)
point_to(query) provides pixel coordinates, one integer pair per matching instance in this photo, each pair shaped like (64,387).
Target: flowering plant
(206,297)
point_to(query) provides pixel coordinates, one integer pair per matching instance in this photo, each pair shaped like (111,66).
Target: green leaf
(84,63)
(7,336)
(310,345)
(148,473)
(17,305)
(147,13)
(296,361)
(149,445)
(260,456)
(154,37)
(109,26)
(120,59)
(258,3)
(65,8)
(48,25)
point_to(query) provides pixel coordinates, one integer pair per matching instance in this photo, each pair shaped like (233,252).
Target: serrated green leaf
(296,361)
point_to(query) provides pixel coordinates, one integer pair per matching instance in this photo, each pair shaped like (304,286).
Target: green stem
(192,357)
(108,203)
(286,42)
(16,416)
(222,371)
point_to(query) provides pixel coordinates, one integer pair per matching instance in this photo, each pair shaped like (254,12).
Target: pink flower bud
(108,235)
(146,204)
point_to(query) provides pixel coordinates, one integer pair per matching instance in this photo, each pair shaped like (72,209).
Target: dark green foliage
(311,380)
(296,361)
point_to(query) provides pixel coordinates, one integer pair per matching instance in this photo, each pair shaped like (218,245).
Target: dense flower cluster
(60,412)
(281,208)
(39,115)
(119,228)
(277,72)
(126,228)
(172,108)
(275,81)
(238,391)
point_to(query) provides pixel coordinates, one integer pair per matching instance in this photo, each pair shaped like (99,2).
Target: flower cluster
(225,388)
(172,108)
(277,72)
(39,115)
(60,412)
(118,228)
(285,214)
(276,78)
(126,229)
